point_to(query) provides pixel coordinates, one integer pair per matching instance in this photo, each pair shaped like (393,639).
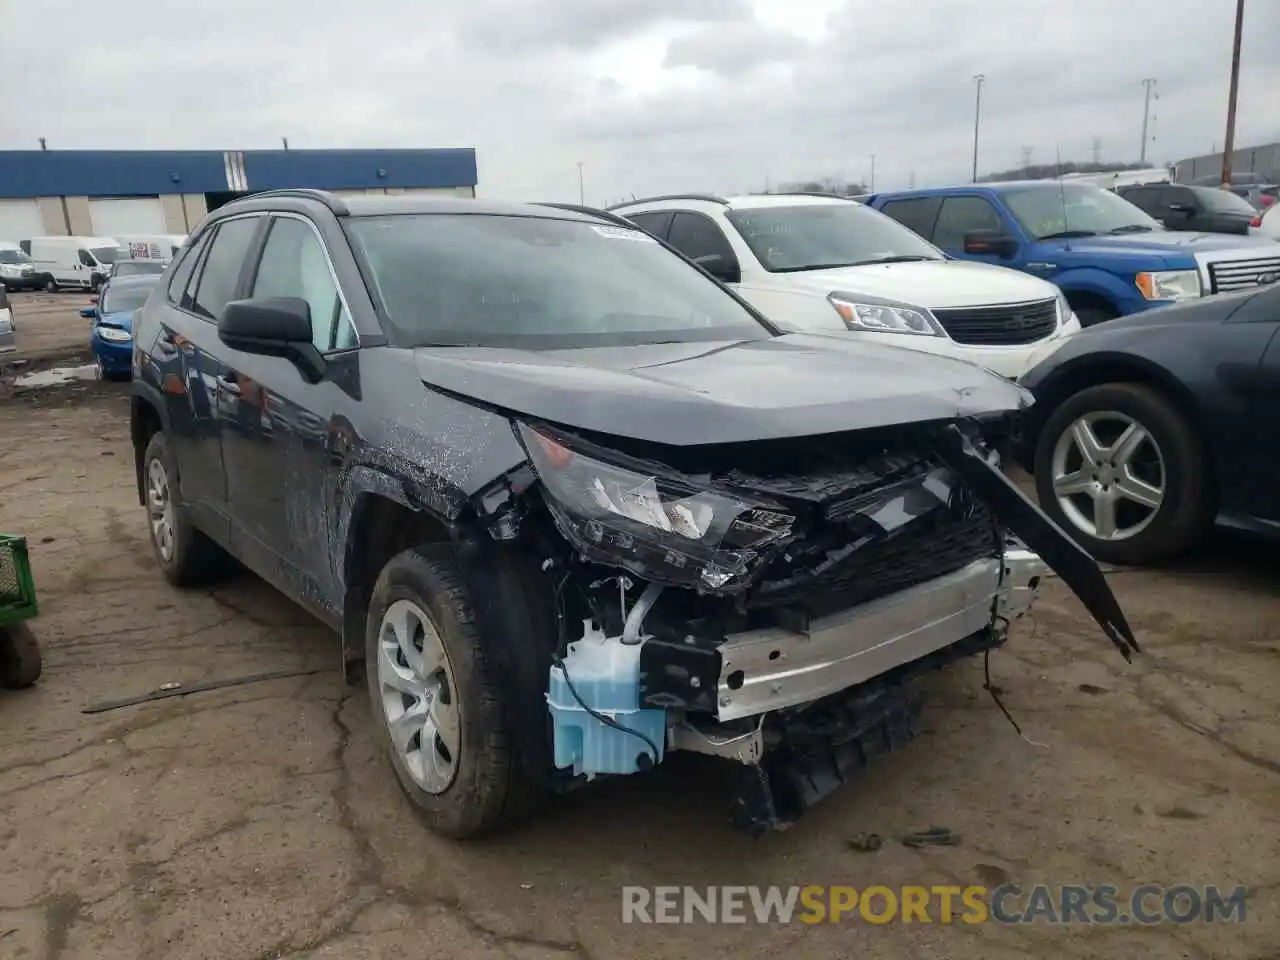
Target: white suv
(818,263)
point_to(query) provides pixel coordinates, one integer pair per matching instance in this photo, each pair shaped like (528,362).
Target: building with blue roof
(134,192)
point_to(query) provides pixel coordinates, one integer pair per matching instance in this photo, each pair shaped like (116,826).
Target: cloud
(735,49)
(651,95)
(515,26)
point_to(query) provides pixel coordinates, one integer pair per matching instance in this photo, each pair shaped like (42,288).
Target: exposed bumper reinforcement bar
(775,668)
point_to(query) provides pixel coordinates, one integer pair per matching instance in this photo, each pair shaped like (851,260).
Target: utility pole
(978,80)
(1097,151)
(873,173)
(285,141)
(1149,83)
(1026,159)
(913,180)
(44,144)
(1229,142)
(581,192)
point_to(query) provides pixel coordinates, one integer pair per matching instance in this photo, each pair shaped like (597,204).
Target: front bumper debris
(776,668)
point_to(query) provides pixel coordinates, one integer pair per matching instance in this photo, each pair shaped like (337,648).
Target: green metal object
(17,588)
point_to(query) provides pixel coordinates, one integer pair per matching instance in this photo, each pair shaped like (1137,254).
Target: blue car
(1108,257)
(112,336)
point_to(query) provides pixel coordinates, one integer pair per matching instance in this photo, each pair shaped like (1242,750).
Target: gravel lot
(261,821)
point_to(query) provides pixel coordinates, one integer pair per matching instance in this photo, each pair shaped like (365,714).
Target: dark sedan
(1148,428)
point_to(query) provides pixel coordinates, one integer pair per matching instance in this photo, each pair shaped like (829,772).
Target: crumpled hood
(932,284)
(724,392)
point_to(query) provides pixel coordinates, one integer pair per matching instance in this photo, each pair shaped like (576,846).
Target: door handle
(228,386)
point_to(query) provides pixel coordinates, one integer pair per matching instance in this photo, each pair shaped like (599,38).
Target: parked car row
(84,263)
(1108,257)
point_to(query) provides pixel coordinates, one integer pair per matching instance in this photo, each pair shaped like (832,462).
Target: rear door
(187,357)
(915,213)
(653,222)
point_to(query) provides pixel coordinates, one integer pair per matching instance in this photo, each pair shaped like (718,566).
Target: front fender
(1122,295)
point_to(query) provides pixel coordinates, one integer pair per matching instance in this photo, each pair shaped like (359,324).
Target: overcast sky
(650,95)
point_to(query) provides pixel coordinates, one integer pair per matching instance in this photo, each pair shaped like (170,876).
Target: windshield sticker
(622,233)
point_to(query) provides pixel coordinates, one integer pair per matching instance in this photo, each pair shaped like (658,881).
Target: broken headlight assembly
(660,527)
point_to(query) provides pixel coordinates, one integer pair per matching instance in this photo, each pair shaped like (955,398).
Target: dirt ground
(49,328)
(261,820)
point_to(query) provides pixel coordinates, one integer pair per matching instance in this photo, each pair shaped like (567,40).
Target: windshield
(125,299)
(824,235)
(1224,201)
(1075,210)
(133,268)
(13,256)
(106,254)
(532,282)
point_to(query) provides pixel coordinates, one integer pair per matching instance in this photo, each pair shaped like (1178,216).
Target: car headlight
(1065,313)
(115,334)
(10,270)
(657,526)
(1169,284)
(873,316)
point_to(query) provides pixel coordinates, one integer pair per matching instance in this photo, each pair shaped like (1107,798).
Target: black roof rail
(592,212)
(704,197)
(330,200)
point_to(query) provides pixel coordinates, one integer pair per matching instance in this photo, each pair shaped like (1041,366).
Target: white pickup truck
(819,263)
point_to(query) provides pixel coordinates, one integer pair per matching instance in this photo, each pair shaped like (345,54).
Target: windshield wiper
(814,266)
(899,259)
(1067,234)
(1132,228)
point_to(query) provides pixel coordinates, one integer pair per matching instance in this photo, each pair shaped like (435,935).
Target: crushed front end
(771,603)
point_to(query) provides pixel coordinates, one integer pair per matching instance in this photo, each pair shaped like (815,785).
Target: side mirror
(89,312)
(720,268)
(273,327)
(990,242)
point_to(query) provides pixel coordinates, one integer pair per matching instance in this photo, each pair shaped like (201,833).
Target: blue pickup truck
(1106,255)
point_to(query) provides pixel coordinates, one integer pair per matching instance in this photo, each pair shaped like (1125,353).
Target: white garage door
(20,220)
(134,215)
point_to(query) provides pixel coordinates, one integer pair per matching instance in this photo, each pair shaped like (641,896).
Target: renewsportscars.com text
(1009,904)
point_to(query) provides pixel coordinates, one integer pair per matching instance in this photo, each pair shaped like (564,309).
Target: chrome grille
(1008,323)
(1227,275)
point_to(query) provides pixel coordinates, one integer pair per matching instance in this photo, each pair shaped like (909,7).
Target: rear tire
(1186,508)
(20,661)
(487,789)
(185,555)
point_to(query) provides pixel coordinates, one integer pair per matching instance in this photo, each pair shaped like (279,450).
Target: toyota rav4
(572,503)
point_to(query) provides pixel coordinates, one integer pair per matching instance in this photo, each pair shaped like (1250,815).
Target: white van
(17,272)
(83,262)
(151,246)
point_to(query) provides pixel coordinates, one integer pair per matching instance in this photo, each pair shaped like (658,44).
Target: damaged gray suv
(572,503)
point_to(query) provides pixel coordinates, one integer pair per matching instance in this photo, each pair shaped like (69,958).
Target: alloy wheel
(1109,475)
(160,509)
(419,696)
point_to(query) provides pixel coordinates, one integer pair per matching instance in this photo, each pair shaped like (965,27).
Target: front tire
(20,660)
(50,285)
(1092,316)
(185,555)
(437,700)
(1122,470)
